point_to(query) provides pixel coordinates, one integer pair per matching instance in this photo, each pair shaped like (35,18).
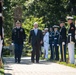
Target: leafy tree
(9,6)
(49,11)
(28,25)
(29,21)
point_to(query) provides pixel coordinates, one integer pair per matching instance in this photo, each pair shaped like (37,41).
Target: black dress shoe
(15,60)
(37,61)
(18,61)
(56,59)
(32,61)
(51,59)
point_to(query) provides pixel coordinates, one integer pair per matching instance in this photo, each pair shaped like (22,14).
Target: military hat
(0,14)
(17,21)
(69,18)
(46,29)
(55,26)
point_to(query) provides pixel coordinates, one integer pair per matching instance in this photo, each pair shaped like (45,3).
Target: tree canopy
(48,12)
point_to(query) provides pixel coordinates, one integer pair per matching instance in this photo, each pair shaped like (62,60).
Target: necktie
(35,31)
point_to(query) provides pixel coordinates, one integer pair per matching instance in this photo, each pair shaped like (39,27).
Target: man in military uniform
(18,37)
(55,41)
(71,39)
(46,43)
(62,41)
(51,41)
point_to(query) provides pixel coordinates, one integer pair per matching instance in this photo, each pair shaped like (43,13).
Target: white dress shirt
(36,30)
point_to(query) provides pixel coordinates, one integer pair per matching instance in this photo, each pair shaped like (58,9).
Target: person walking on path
(71,39)
(18,37)
(35,38)
(62,41)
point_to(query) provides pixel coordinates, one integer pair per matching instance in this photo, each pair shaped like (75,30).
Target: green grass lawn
(2,70)
(67,64)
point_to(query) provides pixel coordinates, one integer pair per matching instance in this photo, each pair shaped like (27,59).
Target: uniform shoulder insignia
(14,30)
(21,30)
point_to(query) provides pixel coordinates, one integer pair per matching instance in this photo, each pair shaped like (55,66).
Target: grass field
(2,70)
(67,63)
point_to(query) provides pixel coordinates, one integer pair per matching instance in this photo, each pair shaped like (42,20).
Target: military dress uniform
(71,42)
(51,42)
(1,24)
(18,37)
(46,44)
(55,43)
(62,43)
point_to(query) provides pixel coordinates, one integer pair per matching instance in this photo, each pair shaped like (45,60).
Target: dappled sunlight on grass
(2,70)
(67,64)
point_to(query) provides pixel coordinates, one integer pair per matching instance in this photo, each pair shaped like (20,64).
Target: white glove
(24,42)
(57,44)
(52,44)
(12,43)
(0,38)
(72,42)
(63,43)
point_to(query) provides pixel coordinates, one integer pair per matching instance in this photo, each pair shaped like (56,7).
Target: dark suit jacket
(35,39)
(18,35)
(72,32)
(62,37)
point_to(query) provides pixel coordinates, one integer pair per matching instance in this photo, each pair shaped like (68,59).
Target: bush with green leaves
(28,25)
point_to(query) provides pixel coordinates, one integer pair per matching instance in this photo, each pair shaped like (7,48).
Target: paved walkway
(43,68)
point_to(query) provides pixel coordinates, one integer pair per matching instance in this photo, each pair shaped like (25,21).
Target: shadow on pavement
(27,61)
(45,62)
(7,74)
(24,60)
(7,67)
(11,60)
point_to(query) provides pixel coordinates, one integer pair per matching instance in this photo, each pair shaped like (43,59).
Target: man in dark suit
(62,41)
(35,39)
